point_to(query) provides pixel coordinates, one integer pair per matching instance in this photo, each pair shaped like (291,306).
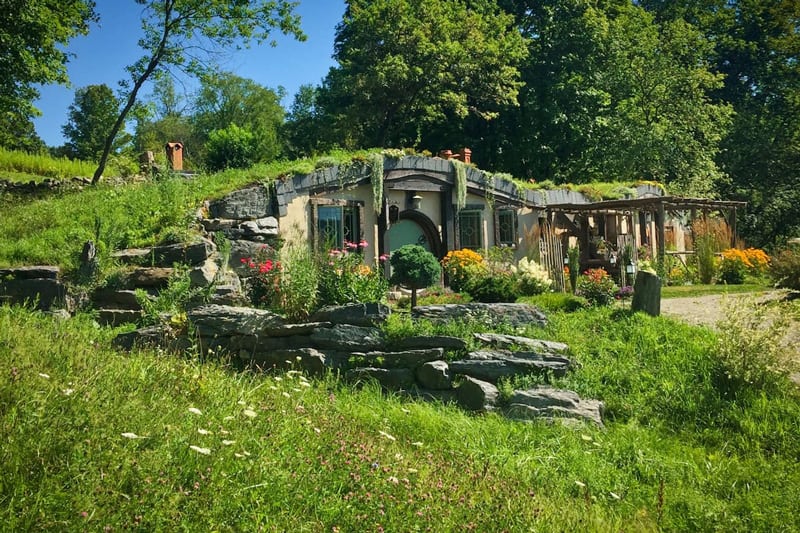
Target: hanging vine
(376,179)
(461,183)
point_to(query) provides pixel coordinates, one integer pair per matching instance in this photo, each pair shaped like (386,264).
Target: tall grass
(94,439)
(42,165)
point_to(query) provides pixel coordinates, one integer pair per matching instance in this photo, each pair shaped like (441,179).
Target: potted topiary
(414,267)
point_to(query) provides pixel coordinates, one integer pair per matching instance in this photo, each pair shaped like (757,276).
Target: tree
(90,118)
(405,65)
(32,36)
(181,34)
(231,147)
(226,99)
(414,267)
(302,130)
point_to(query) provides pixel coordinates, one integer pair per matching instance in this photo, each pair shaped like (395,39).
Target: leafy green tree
(176,31)
(33,34)
(414,267)
(226,99)
(611,94)
(17,132)
(231,147)
(90,118)
(302,131)
(405,65)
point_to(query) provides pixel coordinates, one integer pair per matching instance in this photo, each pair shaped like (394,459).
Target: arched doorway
(412,227)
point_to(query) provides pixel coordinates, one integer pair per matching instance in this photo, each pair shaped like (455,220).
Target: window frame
(356,205)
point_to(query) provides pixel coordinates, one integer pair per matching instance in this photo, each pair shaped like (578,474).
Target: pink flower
(383,257)
(363,243)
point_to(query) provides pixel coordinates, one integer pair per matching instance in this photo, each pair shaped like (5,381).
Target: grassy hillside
(95,439)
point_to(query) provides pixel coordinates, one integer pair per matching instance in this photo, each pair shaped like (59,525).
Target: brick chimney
(445,154)
(466,155)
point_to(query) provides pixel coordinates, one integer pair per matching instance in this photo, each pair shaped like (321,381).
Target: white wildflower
(198,449)
(195,411)
(286,394)
(67,392)
(43,375)
(581,484)
(418,444)
(228,442)
(129,435)
(249,413)
(204,431)
(384,434)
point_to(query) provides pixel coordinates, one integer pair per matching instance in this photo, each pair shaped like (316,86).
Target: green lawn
(683,291)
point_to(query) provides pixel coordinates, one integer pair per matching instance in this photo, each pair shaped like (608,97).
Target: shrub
(750,344)
(732,267)
(497,287)
(597,287)
(299,280)
(344,278)
(414,267)
(533,277)
(264,287)
(231,147)
(706,260)
(461,266)
(785,269)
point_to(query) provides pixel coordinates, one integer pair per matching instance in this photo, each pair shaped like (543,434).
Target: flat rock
(507,341)
(144,277)
(550,403)
(203,275)
(151,336)
(491,366)
(345,337)
(358,314)
(116,299)
(389,378)
(30,272)
(44,293)
(290,330)
(402,359)
(493,314)
(248,203)
(308,360)
(227,321)
(476,395)
(434,375)
(433,341)
(117,317)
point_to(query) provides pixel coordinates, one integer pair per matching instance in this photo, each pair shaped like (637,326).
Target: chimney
(446,154)
(466,155)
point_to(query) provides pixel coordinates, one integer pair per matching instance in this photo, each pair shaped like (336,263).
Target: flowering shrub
(597,287)
(735,264)
(461,267)
(265,284)
(533,277)
(344,278)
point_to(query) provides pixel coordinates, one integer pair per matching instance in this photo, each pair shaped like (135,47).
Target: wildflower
(383,257)
(228,442)
(198,449)
(129,435)
(249,413)
(615,495)
(384,434)
(287,394)
(67,392)
(418,444)
(305,384)
(195,411)
(581,484)
(317,431)
(393,479)
(43,375)
(204,431)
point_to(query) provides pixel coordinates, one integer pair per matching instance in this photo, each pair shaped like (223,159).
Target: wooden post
(660,234)
(733,227)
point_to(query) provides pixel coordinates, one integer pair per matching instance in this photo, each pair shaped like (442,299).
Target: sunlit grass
(95,439)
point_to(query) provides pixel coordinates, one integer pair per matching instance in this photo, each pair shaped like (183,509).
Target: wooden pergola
(658,206)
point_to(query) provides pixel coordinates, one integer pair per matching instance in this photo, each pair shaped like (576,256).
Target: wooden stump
(647,293)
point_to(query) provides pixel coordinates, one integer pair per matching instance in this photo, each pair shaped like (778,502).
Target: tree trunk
(413,298)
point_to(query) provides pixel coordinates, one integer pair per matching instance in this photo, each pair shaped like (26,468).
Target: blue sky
(101,57)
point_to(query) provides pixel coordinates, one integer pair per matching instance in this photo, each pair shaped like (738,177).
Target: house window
(337,224)
(470,228)
(506,221)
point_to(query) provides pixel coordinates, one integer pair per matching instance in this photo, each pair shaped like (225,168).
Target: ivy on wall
(461,183)
(376,179)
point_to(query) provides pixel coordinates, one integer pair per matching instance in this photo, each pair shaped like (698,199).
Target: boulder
(550,403)
(151,336)
(507,341)
(358,314)
(291,330)
(345,337)
(116,299)
(404,359)
(493,314)
(476,395)
(389,378)
(434,375)
(226,321)
(203,275)
(249,203)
